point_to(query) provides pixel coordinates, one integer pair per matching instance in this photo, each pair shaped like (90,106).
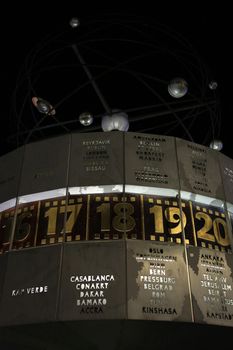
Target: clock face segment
(157,282)
(92,283)
(150,160)
(211,285)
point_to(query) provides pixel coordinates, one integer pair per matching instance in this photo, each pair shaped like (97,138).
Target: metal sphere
(86,118)
(177,87)
(74,22)
(116,121)
(217,145)
(213,85)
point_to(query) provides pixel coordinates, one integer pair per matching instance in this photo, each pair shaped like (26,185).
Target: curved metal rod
(92,80)
(136,119)
(104,39)
(130,72)
(153,78)
(170,123)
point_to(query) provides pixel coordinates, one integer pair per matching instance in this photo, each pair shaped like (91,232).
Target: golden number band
(114,216)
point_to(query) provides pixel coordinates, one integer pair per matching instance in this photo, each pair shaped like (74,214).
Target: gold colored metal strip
(37,223)
(88,214)
(142,217)
(193,224)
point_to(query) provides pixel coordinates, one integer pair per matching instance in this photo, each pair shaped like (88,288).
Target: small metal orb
(217,145)
(74,22)
(86,118)
(117,121)
(213,85)
(178,87)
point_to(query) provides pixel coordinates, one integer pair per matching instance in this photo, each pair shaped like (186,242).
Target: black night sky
(208,30)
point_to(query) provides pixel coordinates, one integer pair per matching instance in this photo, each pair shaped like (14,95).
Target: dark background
(207,28)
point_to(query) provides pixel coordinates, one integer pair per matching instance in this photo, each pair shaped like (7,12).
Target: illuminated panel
(107,217)
(118,216)
(150,160)
(112,216)
(162,219)
(199,170)
(45,166)
(6,224)
(158,218)
(211,227)
(36,220)
(51,218)
(39,223)
(95,189)
(10,165)
(25,229)
(76,218)
(226,165)
(31,286)
(206,222)
(157,282)
(93,281)
(33,197)
(230,220)
(96,159)
(212,286)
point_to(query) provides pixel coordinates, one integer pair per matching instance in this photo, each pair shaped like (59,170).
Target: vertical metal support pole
(229,228)
(64,230)
(183,234)
(17,201)
(92,80)
(125,236)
